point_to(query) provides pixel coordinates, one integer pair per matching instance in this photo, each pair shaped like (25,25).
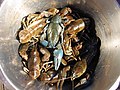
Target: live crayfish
(53,47)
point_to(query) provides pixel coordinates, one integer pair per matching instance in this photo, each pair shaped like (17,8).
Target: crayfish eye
(76,76)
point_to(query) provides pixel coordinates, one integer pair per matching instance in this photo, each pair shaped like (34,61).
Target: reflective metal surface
(107,17)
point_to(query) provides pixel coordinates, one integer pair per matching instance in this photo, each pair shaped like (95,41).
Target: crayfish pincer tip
(58,54)
(57,63)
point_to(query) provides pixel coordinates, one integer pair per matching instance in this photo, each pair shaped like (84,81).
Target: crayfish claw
(58,54)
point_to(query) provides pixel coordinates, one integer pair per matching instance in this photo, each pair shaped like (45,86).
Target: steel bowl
(107,19)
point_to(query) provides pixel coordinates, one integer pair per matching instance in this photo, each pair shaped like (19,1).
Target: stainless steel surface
(107,17)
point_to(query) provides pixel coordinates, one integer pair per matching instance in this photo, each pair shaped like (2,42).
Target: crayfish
(58,46)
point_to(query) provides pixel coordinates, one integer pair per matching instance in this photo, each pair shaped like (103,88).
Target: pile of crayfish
(59,46)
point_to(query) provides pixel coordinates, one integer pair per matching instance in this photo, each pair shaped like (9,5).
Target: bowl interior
(106,15)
